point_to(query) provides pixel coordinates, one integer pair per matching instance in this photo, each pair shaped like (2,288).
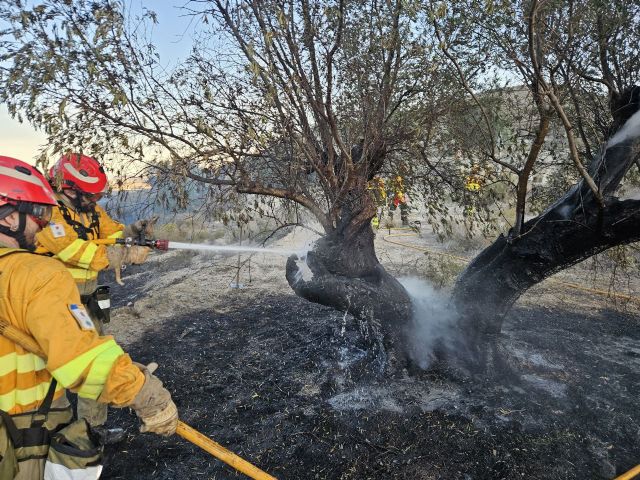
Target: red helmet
(20,182)
(80,173)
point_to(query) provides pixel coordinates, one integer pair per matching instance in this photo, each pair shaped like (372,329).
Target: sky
(172,37)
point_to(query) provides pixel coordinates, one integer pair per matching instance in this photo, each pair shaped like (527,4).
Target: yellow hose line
(575,286)
(630,474)
(421,249)
(597,291)
(218,451)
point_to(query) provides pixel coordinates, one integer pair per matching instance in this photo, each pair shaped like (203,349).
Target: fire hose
(635,471)
(130,241)
(185,431)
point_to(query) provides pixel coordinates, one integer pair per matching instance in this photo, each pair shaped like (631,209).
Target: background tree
(575,60)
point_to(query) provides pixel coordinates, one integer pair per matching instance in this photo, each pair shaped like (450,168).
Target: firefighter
(38,296)
(79,182)
(399,200)
(473,182)
(376,185)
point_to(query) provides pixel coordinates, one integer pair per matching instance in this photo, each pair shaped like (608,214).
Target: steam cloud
(630,129)
(433,323)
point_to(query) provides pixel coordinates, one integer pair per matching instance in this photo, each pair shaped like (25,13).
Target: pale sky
(172,36)
(18,140)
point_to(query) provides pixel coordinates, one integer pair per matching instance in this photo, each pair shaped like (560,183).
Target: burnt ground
(286,384)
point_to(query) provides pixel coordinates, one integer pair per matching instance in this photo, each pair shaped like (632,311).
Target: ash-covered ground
(288,385)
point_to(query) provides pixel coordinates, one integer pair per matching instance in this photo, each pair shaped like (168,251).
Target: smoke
(630,129)
(433,324)
(565,211)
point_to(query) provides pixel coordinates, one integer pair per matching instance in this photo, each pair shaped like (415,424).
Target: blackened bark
(348,276)
(497,277)
(343,272)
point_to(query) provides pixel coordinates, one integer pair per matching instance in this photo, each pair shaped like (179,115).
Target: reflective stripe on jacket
(36,295)
(83,258)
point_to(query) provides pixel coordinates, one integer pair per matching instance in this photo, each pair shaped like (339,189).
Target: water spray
(223,248)
(164,245)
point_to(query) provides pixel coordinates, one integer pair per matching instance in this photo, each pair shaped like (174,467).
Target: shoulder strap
(45,406)
(81,230)
(26,437)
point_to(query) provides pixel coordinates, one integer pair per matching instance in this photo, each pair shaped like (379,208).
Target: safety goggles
(41,214)
(87,198)
(93,197)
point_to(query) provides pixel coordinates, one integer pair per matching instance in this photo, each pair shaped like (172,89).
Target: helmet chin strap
(18,233)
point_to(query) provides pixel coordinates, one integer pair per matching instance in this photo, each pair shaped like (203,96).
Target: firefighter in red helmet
(28,196)
(79,182)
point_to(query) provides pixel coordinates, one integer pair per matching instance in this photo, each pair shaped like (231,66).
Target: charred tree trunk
(571,230)
(342,271)
(498,276)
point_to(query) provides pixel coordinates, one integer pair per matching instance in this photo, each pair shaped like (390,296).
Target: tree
(306,101)
(574,58)
(302,101)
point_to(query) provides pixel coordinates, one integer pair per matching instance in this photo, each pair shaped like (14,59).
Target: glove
(154,406)
(137,255)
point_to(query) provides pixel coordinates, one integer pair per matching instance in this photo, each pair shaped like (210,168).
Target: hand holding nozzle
(126,242)
(144,242)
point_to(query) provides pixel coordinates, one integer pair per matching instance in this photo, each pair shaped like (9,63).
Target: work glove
(137,255)
(153,404)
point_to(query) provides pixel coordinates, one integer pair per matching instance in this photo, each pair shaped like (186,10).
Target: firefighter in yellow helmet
(38,437)
(79,181)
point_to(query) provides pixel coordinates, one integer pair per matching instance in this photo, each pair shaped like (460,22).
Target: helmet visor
(41,214)
(93,197)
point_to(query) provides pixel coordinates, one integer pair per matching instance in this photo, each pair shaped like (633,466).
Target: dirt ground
(288,385)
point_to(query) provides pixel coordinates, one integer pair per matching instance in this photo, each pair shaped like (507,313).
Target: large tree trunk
(571,230)
(343,272)
(500,274)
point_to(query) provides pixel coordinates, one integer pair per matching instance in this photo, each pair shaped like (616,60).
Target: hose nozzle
(145,242)
(159,244)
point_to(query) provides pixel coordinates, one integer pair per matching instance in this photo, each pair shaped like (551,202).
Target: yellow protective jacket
(376,185)
(37,296)
(397,184)
(82,258)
